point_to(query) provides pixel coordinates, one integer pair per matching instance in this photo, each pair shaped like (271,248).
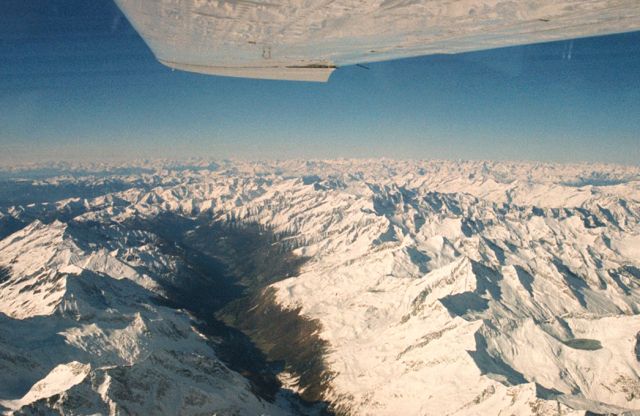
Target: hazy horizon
(138,161)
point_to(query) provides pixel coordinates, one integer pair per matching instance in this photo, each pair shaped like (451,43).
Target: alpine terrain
(348,287)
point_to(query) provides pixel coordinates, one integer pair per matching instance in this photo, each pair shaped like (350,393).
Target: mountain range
(355,287)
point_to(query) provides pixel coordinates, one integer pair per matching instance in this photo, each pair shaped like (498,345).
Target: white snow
(60,379)
(628,246)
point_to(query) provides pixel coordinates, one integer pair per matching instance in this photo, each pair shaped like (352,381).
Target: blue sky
(77,83)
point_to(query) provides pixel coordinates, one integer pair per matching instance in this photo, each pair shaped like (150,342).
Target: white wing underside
(306,39)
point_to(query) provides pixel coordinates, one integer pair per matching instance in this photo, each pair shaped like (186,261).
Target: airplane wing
(307,39)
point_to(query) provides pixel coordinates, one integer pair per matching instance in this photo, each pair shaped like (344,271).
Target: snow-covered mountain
(302,287)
